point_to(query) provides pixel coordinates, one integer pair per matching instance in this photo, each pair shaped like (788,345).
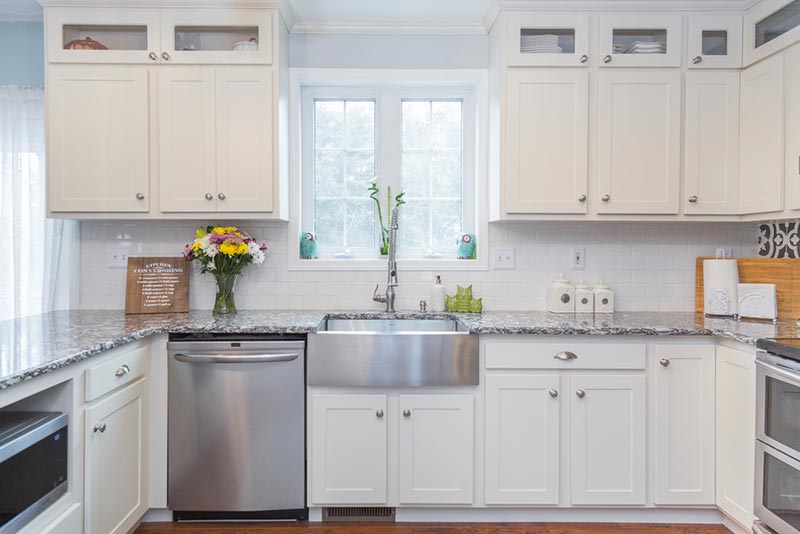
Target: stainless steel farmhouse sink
(392,352)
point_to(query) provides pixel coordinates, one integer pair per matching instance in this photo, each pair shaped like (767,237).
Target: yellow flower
(230,229)
(196,245)
(228,249)
(218,230)
(200,233)
(242,249)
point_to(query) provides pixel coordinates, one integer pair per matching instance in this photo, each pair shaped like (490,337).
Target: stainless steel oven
(33,465)
(777,491)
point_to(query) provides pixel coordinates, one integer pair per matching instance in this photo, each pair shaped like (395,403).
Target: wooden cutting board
(783,272)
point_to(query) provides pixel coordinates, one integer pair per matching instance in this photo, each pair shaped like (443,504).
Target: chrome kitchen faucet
(391,283)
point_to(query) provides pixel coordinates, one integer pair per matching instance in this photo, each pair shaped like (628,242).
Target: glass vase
(225,302)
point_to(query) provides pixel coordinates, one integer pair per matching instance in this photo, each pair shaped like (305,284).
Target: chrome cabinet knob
(584,58)
(697,60)
(140,196)
(153,56)
(221,196)
(209,196)
(565,356)
(606,198)
(664,362)
(580,393)
(693,199)
(406,413)
(165,56)
(100,427)
(582,198)
(607,59)
(553,393)
(122,371)
(379,414)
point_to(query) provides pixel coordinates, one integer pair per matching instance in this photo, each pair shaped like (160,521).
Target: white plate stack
(647,47)
(539,44)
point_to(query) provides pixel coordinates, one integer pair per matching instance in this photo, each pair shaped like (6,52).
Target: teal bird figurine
(466,247)
(308,246)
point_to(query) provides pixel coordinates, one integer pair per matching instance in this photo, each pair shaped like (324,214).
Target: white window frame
(389,88)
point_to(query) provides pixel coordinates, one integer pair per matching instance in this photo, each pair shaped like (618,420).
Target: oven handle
(790,375)
(246,358)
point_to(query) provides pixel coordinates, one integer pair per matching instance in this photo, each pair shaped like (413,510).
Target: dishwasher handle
(239,358)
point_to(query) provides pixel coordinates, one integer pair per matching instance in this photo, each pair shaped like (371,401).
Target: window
(417,140)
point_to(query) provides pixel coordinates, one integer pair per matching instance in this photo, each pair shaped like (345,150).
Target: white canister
(720,286)
(603,298)
(584,298)
(561,296)
(438,295)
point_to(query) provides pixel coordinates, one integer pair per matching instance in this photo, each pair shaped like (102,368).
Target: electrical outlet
(117,257)
(503,259)
(578,259)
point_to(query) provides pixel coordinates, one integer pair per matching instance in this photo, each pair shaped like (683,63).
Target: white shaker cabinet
(436,449)
(761,161)
(115,469)
(711,161)
(735,428)
(348,449)
(546,140)
(684,425)
(609,446)
(98,138)
(793,129)
(522,439)
(638,141)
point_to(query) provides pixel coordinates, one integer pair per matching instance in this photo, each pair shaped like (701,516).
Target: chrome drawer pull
(580,393)
(406,413)
(122,371)
(553,393)
(379,414)
(565,356)
(100,427)
(664,362)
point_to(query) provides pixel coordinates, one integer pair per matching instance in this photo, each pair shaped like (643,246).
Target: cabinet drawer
(126,367)
(568,355)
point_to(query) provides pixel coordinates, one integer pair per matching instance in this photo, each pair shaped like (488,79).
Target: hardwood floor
(425,528)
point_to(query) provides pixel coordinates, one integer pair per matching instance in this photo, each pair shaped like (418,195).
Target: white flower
(259,257)
(205,241)
(211,250)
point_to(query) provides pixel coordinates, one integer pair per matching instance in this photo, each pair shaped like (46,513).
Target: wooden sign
(157,285)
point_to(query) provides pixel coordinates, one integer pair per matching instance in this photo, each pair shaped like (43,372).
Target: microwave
(33,465)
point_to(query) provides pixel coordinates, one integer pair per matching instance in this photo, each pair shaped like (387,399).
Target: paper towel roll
(720,282)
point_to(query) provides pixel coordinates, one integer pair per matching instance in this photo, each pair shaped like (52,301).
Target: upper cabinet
(548,40)
(793,130)
(715,42)
(770,26)
(640,41)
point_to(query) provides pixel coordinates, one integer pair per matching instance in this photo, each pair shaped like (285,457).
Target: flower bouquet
(224,251)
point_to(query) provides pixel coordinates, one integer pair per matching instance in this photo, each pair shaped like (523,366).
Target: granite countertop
(38,344)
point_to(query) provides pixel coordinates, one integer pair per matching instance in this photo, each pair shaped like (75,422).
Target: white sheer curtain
(38,256)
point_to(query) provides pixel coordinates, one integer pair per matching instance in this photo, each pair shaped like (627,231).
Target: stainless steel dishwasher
(236,427)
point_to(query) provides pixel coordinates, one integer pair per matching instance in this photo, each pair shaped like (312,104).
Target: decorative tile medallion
(779,240)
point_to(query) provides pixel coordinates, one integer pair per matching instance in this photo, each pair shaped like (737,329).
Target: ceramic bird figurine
(466,247)
(308,246)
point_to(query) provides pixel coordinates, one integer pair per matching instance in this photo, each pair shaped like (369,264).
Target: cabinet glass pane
(216,38)
(547,41)
(644,41)
(778,23)
(104,37)
(715,43)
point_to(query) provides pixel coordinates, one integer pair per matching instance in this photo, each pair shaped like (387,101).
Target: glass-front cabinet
(770,26)
(548,40)
(640,41)
(715,42)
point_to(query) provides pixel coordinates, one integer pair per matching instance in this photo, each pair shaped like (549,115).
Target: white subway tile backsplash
(650,266)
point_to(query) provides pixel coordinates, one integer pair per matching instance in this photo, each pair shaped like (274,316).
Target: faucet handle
(376,297)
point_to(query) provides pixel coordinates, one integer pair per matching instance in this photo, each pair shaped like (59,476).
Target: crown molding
(388,29)
(221,4)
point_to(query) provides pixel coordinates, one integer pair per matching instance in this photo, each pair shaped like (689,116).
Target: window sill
(380,265)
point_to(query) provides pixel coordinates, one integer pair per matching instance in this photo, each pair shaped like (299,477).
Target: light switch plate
(117,257)
(578,261)
(502,259)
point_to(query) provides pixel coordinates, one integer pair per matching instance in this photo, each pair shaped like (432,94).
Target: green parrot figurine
(308,246)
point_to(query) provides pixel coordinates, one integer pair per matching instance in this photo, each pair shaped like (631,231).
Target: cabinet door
(186,127)
(770,26)
(244,139)
(712,143)
(608,430)
(348,449)
(436,449)
(98,139)
(548,40)
(684,425)
(793,130)
(116,441)
(715,42)
(547,115)
(522,439)
(639,135)
(761,159)
(640,40)
(736,428)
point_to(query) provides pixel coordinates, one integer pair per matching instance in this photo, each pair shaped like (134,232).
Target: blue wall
(21,53)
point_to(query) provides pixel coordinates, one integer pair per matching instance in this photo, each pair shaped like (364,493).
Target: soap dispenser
(561,296)
(438,295)
(584,298)
(603,298)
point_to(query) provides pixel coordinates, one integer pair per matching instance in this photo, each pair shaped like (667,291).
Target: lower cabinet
(522,438)
(115,468)
(609,446)
(736,427)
